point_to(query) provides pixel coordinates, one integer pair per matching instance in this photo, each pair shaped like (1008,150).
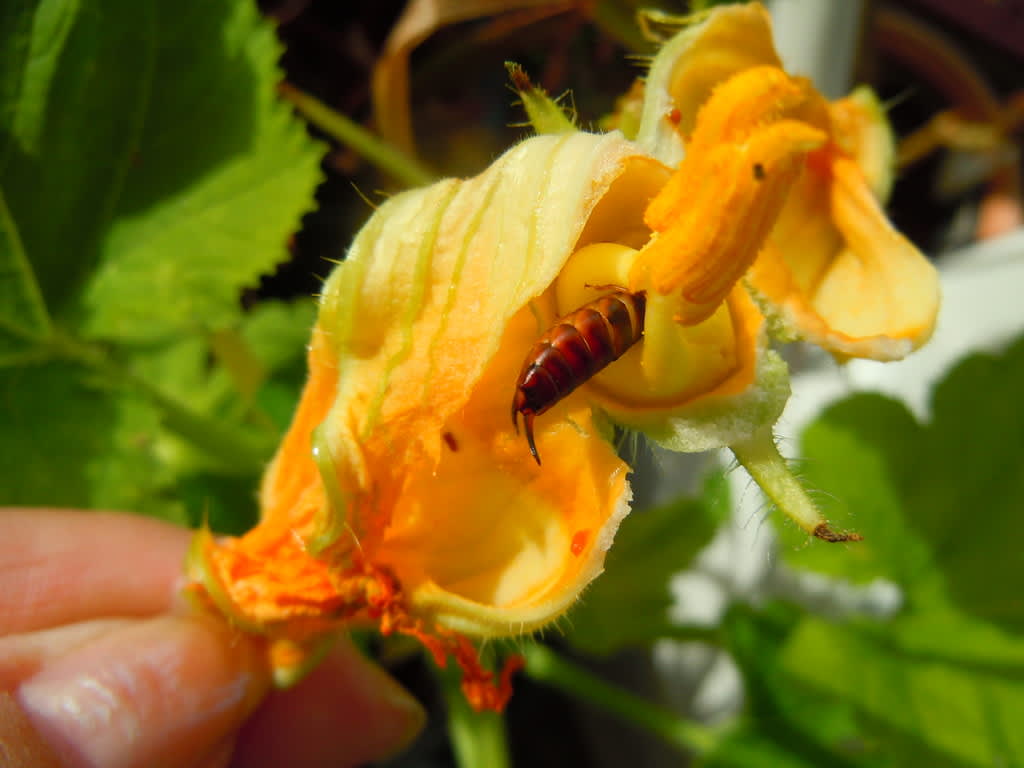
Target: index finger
(63,566)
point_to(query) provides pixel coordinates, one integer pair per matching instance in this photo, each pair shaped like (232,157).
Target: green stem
(619,22)
(19,266)
(546,666)
(761,458)
(478,738)
(330,521)
(351,134)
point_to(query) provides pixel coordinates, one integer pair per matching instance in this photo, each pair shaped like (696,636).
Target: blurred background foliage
(166,217)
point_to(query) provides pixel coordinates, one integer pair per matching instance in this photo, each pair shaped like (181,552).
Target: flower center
(672,363)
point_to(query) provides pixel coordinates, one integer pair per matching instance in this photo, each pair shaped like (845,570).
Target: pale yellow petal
(728,40)
(835,271)
(881,294)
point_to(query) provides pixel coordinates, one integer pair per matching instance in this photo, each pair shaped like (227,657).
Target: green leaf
(629,603)
(15,38)
(67,442)
(939,506)
(115,444)
(277,332)
(964,714)
(139,471)
(856,453)
(29,32)
(223,173)
(969,510)
(227,504)
(150,168)
(75,106)
(217,429)
(36,36)
(249,376)
(54,427)
(785,723)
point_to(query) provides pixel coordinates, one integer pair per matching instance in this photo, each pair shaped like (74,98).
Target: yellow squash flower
(402,496)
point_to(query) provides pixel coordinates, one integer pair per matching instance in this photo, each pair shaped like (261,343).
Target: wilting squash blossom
(403,497)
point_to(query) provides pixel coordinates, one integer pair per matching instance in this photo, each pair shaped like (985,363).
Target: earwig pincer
(572,351)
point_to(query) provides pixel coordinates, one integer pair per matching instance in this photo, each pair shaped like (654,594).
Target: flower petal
(836,273)
(727,40)
(401,491)
(713,216)
(862,131)
(488,543)
(881,294)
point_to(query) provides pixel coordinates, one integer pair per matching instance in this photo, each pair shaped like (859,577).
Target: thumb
(165,691)
(347,711)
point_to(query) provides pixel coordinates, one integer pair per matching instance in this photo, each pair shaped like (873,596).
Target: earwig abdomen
(572,351)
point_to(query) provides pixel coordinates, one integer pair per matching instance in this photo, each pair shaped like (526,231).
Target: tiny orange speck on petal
(579,542)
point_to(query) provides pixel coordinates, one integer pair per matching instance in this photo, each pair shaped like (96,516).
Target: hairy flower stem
(478,738)
(761,458)
(547,667)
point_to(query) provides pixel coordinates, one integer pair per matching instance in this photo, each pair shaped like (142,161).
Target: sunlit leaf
(939,505)
(222,172)
(146,143)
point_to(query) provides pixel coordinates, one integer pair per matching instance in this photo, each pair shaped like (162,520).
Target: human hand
(97,668)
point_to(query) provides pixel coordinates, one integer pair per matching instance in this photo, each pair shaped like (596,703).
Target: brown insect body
(573,350)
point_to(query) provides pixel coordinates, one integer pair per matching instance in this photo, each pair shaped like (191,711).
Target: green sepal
(545,113)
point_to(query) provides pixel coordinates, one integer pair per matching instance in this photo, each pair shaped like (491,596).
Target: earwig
(572,351)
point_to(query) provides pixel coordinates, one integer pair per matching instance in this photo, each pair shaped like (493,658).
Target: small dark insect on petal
(450,441)
(758,172)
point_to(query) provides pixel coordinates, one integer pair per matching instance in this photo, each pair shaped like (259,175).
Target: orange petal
(838,274)
(881,293)
(862,131)
(713,216)
(728,40)
(485,540)
(401,494)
